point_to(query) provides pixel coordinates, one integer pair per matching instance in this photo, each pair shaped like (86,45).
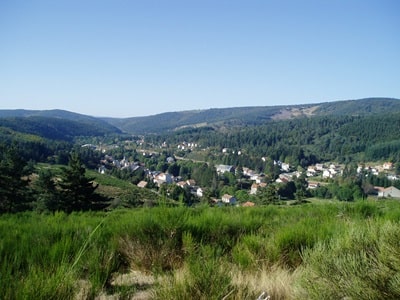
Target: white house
(248,172)
(199,192)
(228,199)
(311,171)
(221,169)
(331,173)
(163,178)
(285,167)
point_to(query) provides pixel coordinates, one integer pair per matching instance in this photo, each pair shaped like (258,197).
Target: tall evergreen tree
(77,190)
(14,189)
(47,195)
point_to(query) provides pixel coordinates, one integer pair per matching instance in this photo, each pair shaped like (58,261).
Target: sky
(126,58)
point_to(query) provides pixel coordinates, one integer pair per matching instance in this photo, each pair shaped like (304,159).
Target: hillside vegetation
(252,116)
(300,141)
(74,223)
(55,128)
(214,117)
(331,251)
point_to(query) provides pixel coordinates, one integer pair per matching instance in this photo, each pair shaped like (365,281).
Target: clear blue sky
(135,58)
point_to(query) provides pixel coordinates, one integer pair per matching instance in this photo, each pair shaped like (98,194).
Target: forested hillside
(252,116)
(57,128)
(48,136)
(343,131)
(35,148)
(303,141)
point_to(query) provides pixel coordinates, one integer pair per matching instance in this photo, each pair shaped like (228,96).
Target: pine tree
(77,190)
(45,187)
(14,189)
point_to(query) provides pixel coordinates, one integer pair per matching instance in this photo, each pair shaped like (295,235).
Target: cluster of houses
(159,178)
(109,162)
(330,171)
(318,170)
(187,146)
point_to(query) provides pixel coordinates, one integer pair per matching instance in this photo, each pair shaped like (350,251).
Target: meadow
(313,251)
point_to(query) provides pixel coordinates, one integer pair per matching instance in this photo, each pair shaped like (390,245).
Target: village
(315,175)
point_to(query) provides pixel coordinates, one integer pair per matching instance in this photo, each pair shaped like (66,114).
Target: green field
(312,251)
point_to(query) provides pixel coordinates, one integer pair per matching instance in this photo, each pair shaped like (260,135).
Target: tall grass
(310,251)
(43,256)
(364,263)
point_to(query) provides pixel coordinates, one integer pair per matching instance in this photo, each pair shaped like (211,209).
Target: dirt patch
(133,278)
(290,113)
(134,285)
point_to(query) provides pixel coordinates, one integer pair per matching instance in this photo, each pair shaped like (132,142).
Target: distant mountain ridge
(79,124)
(250,116)
(52,113)
(55,124)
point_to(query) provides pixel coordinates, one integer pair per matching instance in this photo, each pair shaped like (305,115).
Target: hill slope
(244,116)
(69,124)
(55,124)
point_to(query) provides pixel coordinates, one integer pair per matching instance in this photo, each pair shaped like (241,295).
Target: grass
(309,251)
(361,264)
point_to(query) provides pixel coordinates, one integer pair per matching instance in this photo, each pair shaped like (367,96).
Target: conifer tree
(47,195)
(14,189)
(77,190)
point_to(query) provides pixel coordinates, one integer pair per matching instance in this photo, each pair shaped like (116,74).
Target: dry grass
(278,283)
(149,257)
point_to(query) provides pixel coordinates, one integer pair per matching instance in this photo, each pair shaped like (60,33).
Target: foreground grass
(312,251)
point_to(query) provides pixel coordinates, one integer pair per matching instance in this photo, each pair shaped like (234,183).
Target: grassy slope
(207,253)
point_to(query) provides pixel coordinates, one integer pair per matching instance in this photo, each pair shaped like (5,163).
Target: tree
(397,167)
(287,191)
(301,188)
(47,195)
(174,169)
(77,190)
(268,195)
(345,193)
(14,189)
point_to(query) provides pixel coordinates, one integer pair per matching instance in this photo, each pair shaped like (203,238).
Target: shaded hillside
(53,113)
(57,128)
(299,141)
(34,147)
(216,117)
(249,116)
(55,119)
(195,118)
(359,107)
